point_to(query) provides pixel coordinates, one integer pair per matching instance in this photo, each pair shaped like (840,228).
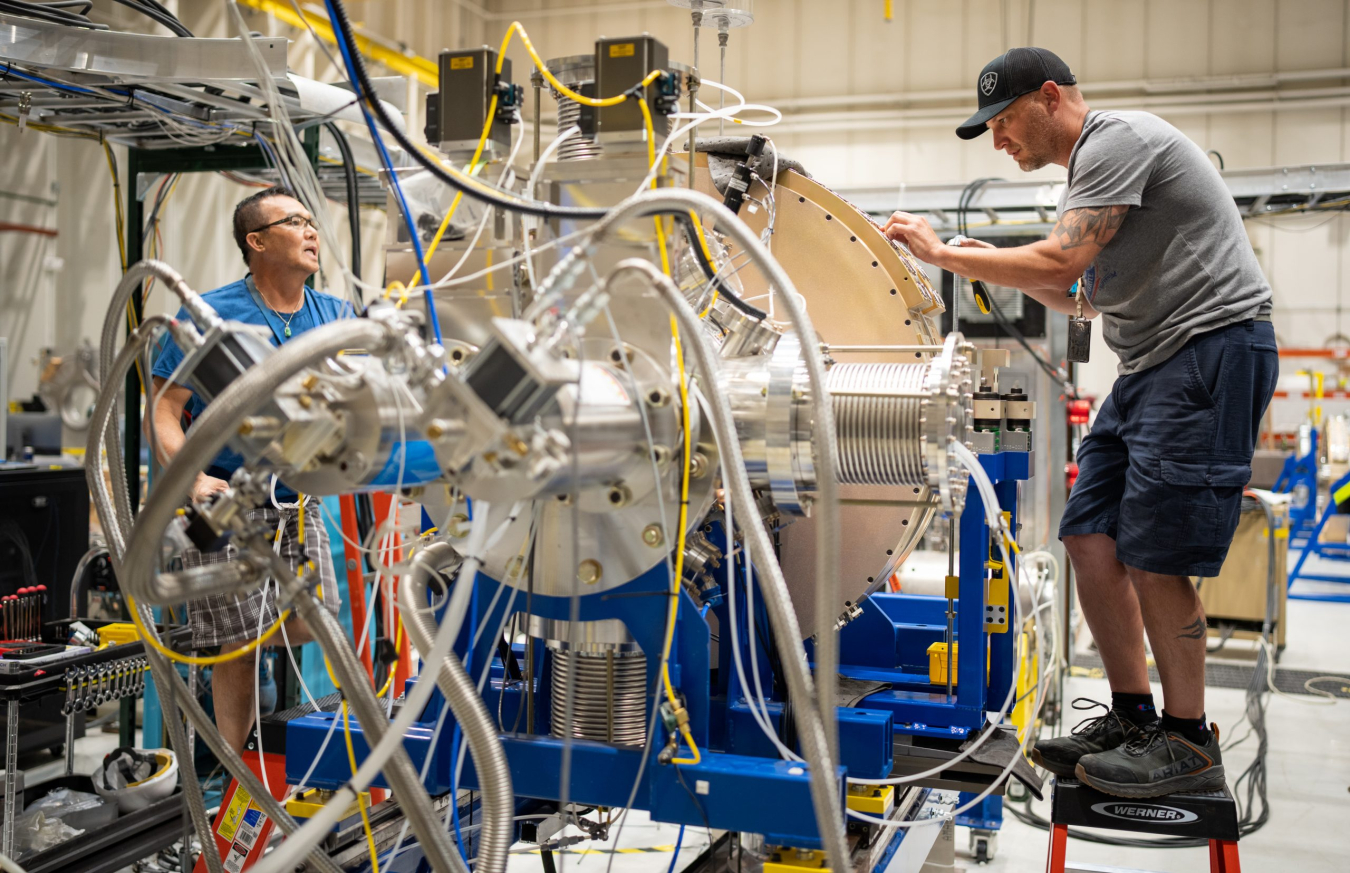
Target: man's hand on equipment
(205,486)
(914,232)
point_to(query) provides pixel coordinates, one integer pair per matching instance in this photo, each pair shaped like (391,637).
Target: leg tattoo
(1193,631)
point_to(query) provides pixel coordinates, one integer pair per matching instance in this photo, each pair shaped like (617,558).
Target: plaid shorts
(222,619)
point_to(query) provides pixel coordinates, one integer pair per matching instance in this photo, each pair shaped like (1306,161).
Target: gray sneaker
(1103,733)
(1158,762)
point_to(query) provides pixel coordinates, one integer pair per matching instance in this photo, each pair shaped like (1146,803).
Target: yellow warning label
(462,63)
(234,813)
(622,50)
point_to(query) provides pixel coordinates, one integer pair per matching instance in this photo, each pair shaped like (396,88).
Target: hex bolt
(588,571)
(652,536)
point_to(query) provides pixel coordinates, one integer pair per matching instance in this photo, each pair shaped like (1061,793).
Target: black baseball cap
(1010,75)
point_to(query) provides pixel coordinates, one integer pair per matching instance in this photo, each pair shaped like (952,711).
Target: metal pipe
(822,424)
(697,15)
(77,591)
(389,744)
(829,349)
(537,82)
(215,428)
(722,75)
(825,797)
(1197,84)
(480,731)
(398,769)
(166,676)
(951,611)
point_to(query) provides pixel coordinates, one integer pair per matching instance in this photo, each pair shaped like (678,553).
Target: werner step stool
(1208,816)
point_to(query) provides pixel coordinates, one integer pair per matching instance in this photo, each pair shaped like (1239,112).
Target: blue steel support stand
(740,784)
(1298,478)
(889,641)
(1312,545)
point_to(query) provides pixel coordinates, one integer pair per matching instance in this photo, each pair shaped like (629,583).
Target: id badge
(1080,334)
(1080,340)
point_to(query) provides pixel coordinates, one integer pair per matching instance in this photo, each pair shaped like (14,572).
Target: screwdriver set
(21,614)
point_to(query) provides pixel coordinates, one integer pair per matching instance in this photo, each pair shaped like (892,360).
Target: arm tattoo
(1094,225)
(1193,631)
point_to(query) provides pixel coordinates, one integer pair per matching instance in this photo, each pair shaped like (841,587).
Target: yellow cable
(651,159)
(707,253)
(203,660)
(517,27)
(679,548)
(473,163)
(360,797)
(684,476)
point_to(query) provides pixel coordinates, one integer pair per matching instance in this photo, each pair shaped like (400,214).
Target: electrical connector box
(514,376)
(786,859)
(937,663)
(468,79)
(117,633)
(871,799)
(619,65)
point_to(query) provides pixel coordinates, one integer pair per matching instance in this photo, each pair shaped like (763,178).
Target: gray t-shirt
(1181,263)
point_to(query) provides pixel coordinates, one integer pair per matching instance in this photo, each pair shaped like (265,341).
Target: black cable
(52,14)
(66,4)
(710,271)
(693,797)
(1004,323)
(477,190)
(353,196)
(510,666)
(157,14)
(546,855)
(1053,372)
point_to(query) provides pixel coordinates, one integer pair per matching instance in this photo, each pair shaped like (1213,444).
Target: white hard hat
(136,778)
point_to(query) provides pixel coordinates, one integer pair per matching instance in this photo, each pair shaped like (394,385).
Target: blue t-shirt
(234,302)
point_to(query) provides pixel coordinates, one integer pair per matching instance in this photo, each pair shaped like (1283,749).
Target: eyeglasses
(295,220)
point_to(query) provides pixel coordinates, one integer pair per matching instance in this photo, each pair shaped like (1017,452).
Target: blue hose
(388,162)
(675,856)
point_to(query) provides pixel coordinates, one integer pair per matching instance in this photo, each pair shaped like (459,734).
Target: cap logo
(987,83)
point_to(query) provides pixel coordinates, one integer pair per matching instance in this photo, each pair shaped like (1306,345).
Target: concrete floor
(1308,767)
(1308,783)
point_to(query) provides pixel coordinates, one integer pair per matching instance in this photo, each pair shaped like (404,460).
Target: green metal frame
(197,159)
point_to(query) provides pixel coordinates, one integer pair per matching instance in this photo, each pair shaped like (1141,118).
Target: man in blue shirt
(277,237)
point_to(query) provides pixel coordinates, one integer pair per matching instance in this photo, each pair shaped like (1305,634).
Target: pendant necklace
(286,322)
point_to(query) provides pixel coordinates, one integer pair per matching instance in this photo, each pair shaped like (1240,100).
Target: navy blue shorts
(1163,469)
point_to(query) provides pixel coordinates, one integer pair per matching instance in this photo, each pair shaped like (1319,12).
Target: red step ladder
(1203,815)
(241,829)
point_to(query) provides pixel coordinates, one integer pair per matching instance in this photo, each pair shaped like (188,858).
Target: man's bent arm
(1044,269)
(165,417)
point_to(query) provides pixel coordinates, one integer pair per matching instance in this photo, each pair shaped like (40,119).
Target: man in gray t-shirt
(1149,226)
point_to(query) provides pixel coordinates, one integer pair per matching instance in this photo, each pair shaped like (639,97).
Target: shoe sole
(1065,771)
(1211,780)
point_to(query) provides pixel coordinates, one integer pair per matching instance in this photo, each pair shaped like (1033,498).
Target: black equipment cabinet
(44,531)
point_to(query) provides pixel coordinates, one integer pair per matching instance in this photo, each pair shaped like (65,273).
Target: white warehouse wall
(916,75)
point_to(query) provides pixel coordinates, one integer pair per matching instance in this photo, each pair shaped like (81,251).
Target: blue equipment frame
(740,784)
(1298,477)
